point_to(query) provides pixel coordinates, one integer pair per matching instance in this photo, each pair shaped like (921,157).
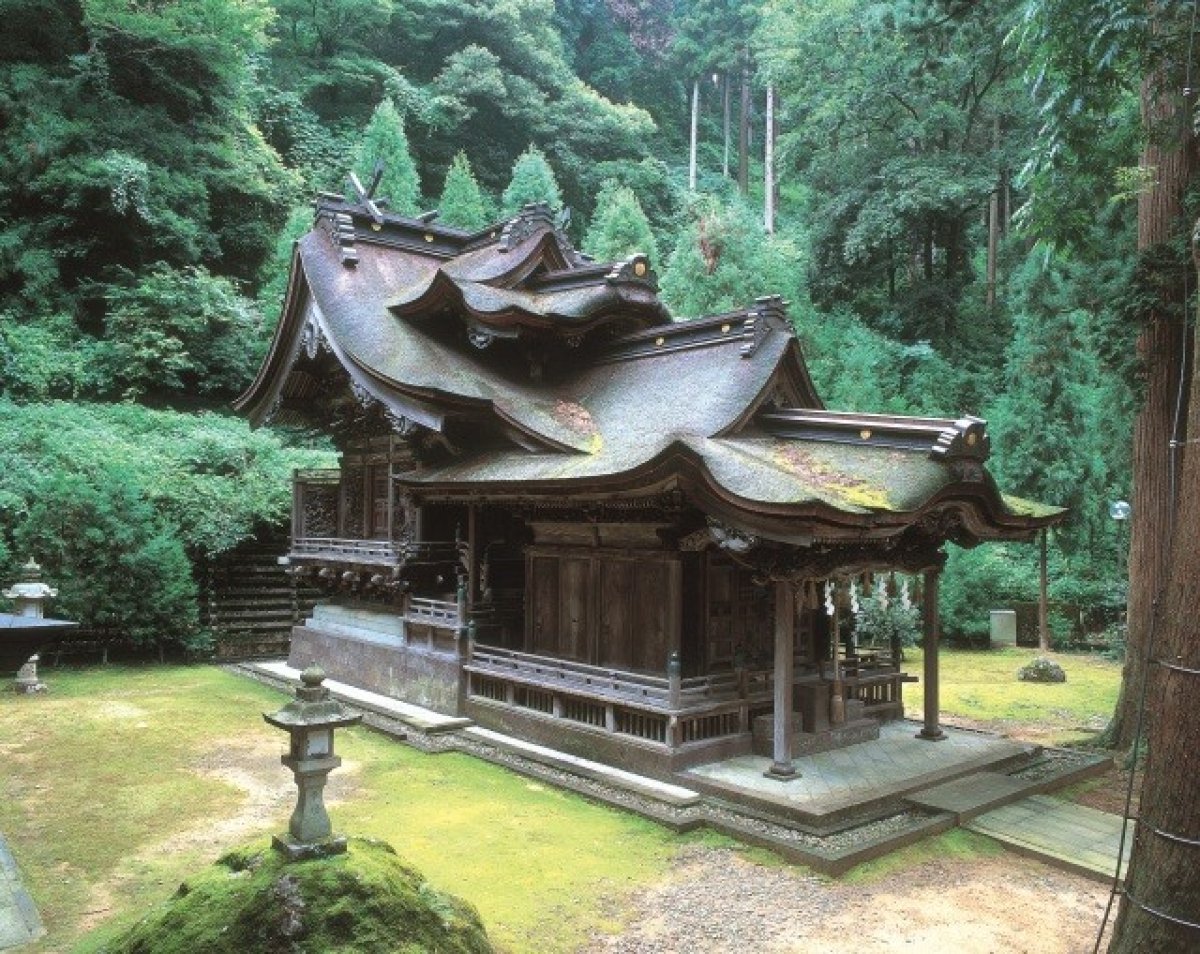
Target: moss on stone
(365,901)
(1030,508)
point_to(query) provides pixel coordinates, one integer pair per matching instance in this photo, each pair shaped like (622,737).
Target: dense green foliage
(532,181)
(620,227)
(115,500)
(158,160)
(384,146)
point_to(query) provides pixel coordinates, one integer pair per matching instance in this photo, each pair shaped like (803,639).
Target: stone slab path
(968,797)
(1071,836)
(19,921)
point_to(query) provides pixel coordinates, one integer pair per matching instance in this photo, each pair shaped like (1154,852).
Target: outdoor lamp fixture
(1119,510)
(309,721)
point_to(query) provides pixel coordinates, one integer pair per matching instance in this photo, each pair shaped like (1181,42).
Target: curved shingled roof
(721,407)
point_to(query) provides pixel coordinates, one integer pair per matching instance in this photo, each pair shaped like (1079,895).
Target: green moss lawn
(121,782)
(981,687)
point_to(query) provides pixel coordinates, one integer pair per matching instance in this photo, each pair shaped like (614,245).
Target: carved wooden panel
(352,502)
(654,599)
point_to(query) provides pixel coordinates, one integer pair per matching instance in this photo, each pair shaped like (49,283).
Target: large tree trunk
(1164,869)
(744,133)
(1169,161)
(769,165)
(725,96)
(692,138)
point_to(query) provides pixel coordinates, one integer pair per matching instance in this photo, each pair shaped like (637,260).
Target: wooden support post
(785,653)
(931,731)
(472,555)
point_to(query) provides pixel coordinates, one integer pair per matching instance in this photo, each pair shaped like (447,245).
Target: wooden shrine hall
(569,517)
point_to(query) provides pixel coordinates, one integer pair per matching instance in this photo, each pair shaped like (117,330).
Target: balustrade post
(674,679)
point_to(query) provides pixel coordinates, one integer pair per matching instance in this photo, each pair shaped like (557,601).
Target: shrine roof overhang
(790,491)
(701,377)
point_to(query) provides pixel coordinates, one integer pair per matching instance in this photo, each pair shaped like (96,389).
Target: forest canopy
(159,159)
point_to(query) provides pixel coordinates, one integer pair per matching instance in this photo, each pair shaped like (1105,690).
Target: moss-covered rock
(1041,669)
(366,901)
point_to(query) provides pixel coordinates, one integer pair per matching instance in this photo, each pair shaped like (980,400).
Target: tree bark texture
(1169,161)
(725,97)
(1164,869)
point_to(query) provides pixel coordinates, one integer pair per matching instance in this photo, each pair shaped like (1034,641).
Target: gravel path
(718,902)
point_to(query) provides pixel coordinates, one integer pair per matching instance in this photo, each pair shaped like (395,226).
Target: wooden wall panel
(575,608)
(615,638)
(542,588)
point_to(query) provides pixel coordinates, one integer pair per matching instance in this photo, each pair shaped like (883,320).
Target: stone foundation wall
(365,647)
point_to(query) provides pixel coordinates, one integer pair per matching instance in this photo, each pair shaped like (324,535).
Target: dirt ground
(716,902)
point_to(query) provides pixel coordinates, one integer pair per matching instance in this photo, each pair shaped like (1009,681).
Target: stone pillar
(932,626)
(785,652)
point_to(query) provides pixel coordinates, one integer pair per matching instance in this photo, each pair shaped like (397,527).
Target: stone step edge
(435,724)
(675,795)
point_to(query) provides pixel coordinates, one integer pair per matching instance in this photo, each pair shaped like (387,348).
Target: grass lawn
(121,781)
(981,687)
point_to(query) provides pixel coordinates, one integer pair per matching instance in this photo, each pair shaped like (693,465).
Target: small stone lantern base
(295,850)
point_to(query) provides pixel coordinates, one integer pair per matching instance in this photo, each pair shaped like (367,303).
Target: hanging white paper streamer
(829,607)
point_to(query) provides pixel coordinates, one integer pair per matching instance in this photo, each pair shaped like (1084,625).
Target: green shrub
(117,500)
(882,622)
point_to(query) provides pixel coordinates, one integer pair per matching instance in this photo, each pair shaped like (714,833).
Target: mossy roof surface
(663,392)
(630,408)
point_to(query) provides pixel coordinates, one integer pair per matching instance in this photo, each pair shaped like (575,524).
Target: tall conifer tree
(463,203)
(384,140)
(619,227)
(532,181)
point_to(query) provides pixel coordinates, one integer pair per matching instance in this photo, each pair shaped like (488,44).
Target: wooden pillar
(785,652)
(932,624)
(472,555)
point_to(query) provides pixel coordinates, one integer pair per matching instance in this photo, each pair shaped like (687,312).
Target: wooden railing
(442,613)
(657,709)
(348,550)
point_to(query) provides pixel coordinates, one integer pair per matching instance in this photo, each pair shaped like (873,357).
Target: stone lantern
(310,721)
(30,592)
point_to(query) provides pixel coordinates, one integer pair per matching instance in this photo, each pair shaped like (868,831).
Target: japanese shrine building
(569,517)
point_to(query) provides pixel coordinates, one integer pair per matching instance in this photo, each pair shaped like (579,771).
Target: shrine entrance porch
(858,779)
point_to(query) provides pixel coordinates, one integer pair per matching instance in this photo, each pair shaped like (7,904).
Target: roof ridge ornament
(340,226)
(636,268)
(530,219)
(768,310)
